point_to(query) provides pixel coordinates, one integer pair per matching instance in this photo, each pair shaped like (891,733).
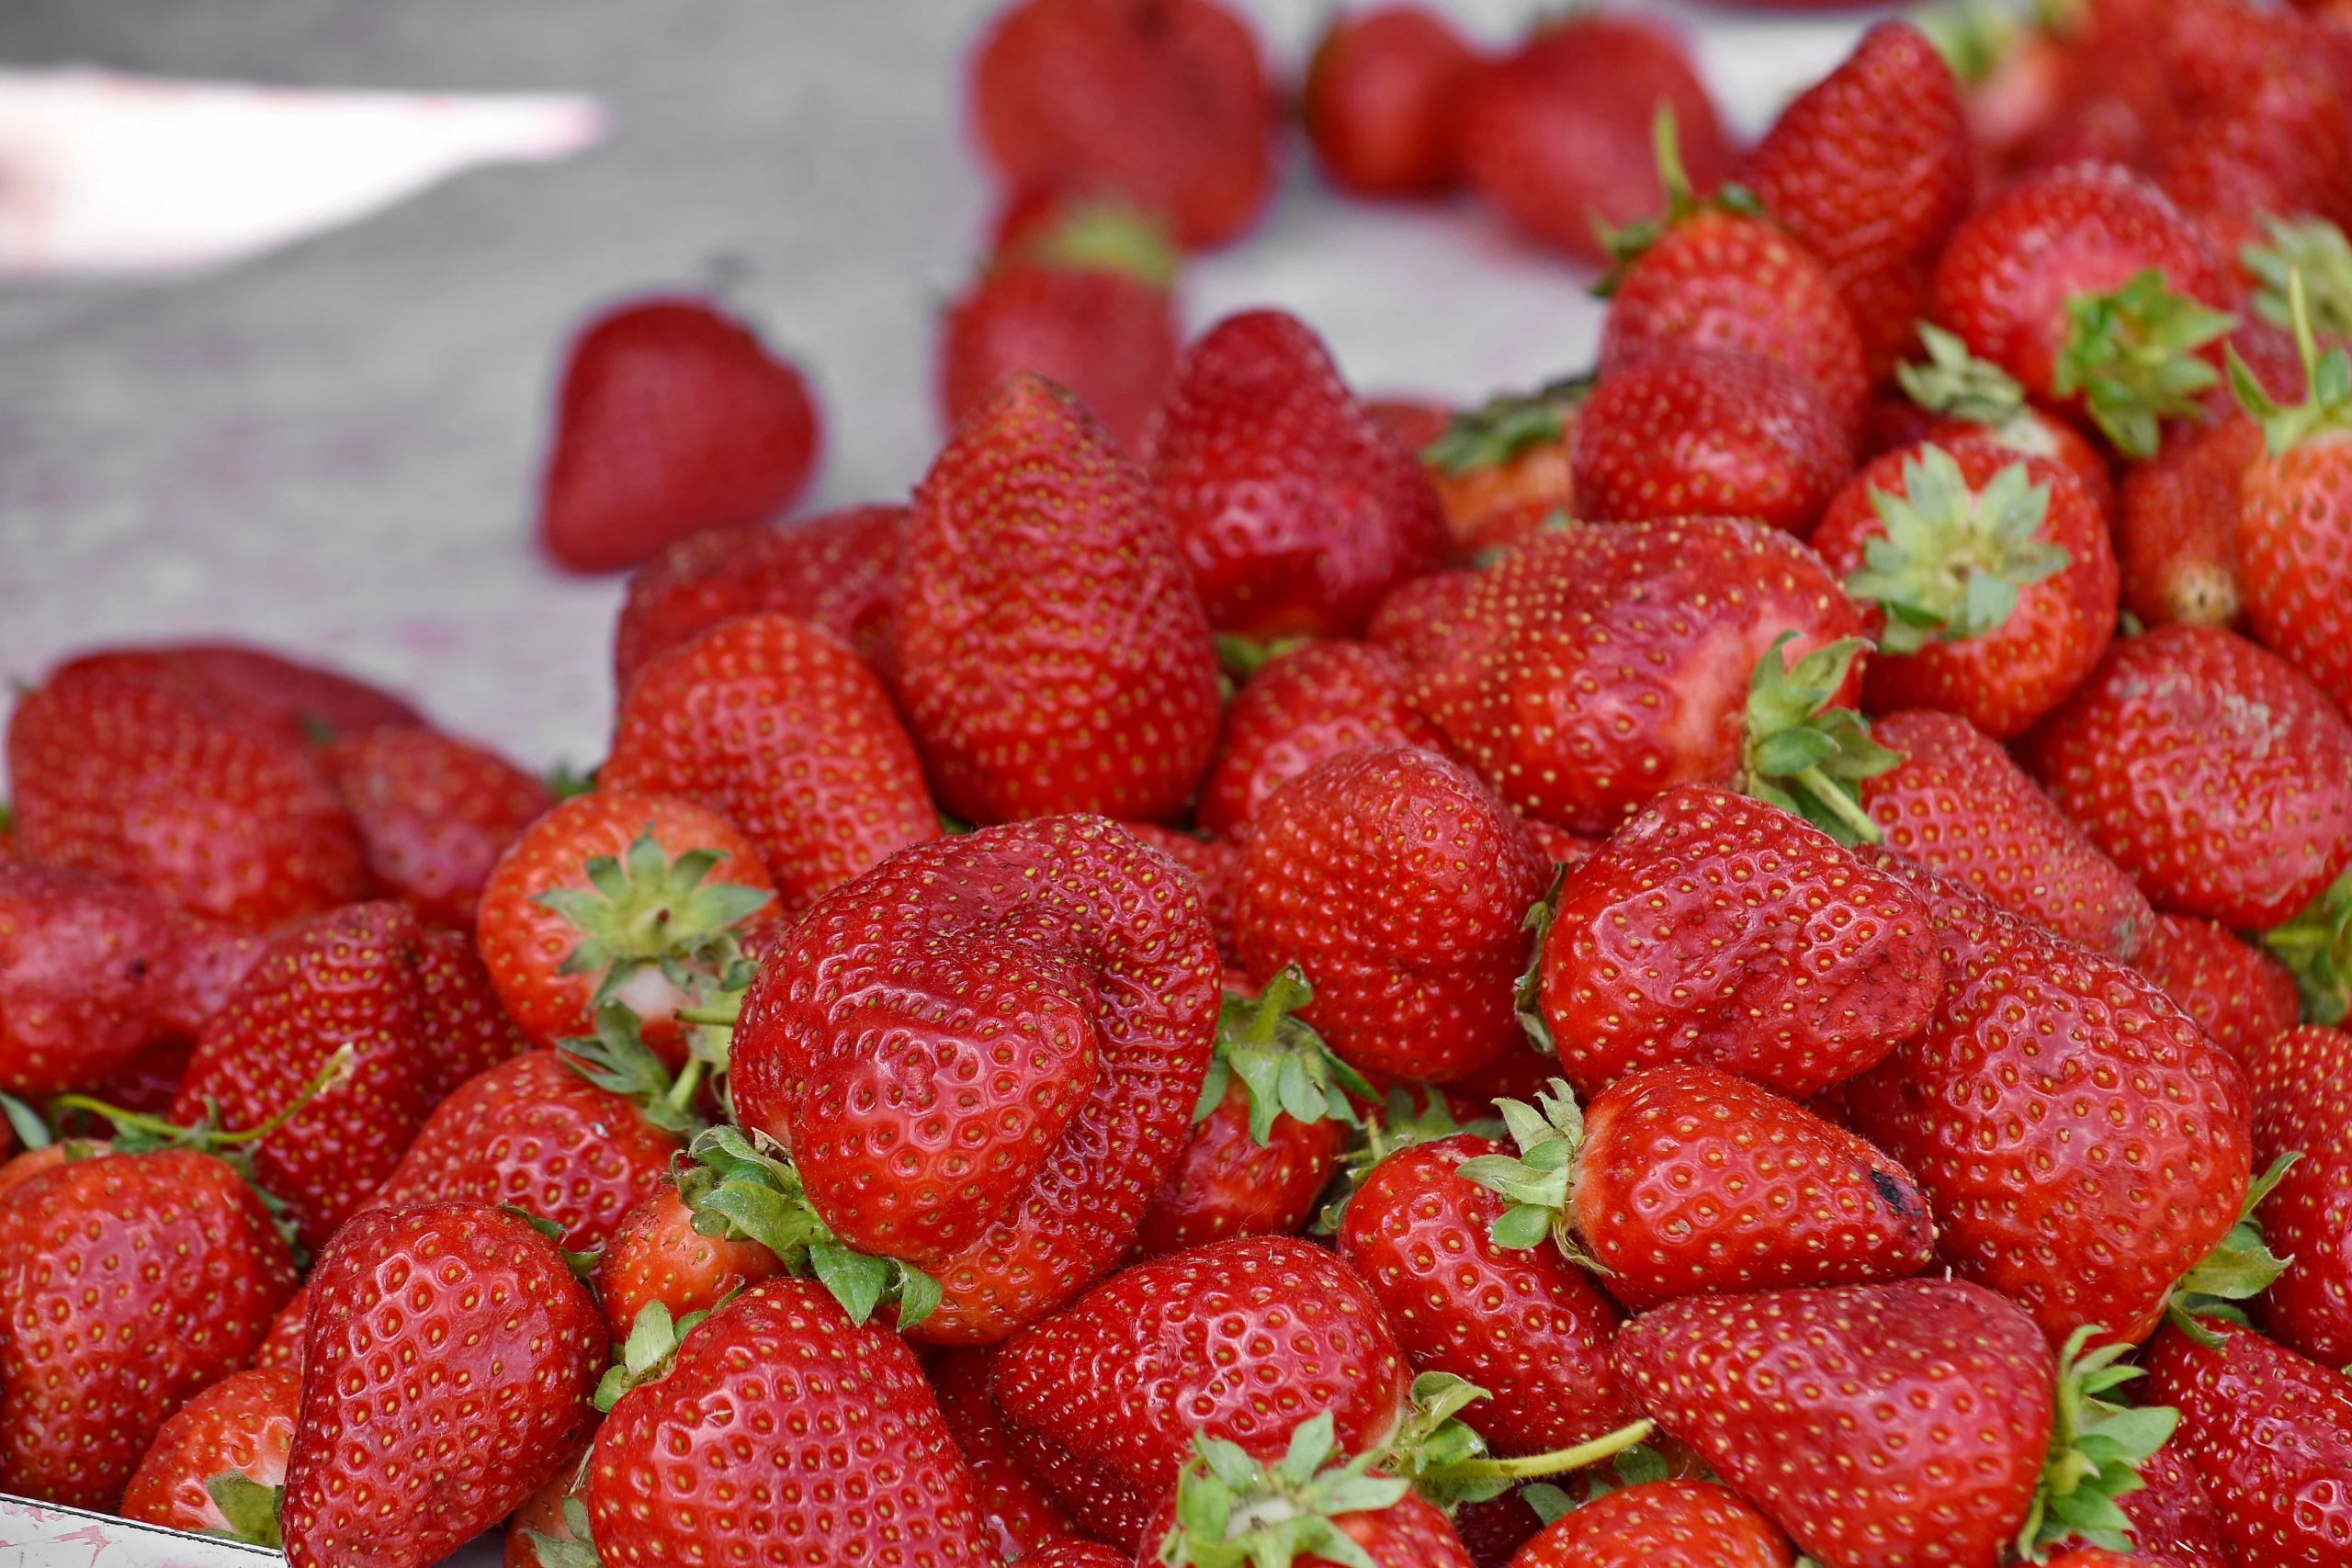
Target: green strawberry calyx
(649,1352)
(575,1548)
(1412,1115)
(2240,1268)
(2317,251)
(1239,656)
(1527,996)
(249,1507)
(739,1189)
(2326,411)
(1278,1063)
(2316,948)
(1804,756)
(2096,1447)
(1953,560)
(31,1131)
(1958,385)
(1447,1462)
(1972,36)
(1627,245)
(2132,356)
(617,1060)
(582,1264)
(1106,235)
(1501,428)
(1537,1180)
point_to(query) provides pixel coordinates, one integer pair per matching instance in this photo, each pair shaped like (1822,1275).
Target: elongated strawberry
(1990,575)
(1066,933)
(1959,806)
(781,729)
(1718,929)
(217,1466)
(2050,1070)
(128,1283)
(1020,1510)
(1310,1507)
(451,1360)
(1294,510)
(1661,1524)
(84,962)
(432,813)
(1303,706)
(1061,668)
(2176,527)
(2238,994)
(1430,877)
(664,1250)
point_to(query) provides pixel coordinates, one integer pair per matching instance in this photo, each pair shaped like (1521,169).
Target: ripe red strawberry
(1502,468)
(1214,863)
(1050,669)
(1022,1516)
(432,814)
(282,1345)
(2177,528)
(545,1521)
(2295,514)
(1955,396)
(1383,100)
(2090,288)
(653,893)
(2298,1079)
(2172,1518)
(152,776)
(2187,749)
(1302,707)
(1535,667)
(1661,1524)
(128,1283)
(299,702)
(1309,1508)
(873,1029)
(838,571)
(2270,1434)
(1085,303)
(2051,1072)
(1989,579)
(1400,886)
(1273,1115)
(2239,995)
(83,961)
(216,1467)
(451,1360)
(204,967)
(1959,806)
(1294,509)
(1078,1554)
(777,726)
(1164,102)
(673,418)
(1718,929)
(1243,1340)
(665,1251)
(1556,134)
(1697,431)
(1870,169)
(780,1381)
(1525,1325)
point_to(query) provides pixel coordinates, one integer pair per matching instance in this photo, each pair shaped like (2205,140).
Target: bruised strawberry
(217,1466)
(434,813)
(1383,99)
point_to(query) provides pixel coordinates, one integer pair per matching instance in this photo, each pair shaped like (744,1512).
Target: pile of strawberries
(1733,956)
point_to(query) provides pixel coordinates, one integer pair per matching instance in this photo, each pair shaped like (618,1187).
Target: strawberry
(432,814)
(1272,1117)
(1020,1511)
(551,1517)
(1414,420)
(2172,1517)
(1718,929)
(1399,884)
(1085,303)
(1065,931)
(777,726)
(1163,102)
(1533,666)
(451,1360)
(1870,169)
(2091,288)
(83,959)
(1383,100)
(1661,1524)
(1243,1340)
(1216,865)
(2054,1073)
(663,1250)
(205,968)
(1690,431)
(1955,396)
(1527,1325)
(1939,1391)
(1502,468)
(1077,1554)
(1990,579)
(1050,669)
(264,690)
(1679,1179)
(672,417)
(1959,806)
(780,1383)
(282,1345)
(1304,707)
(1294,509)
(2176,527)
(2298,1079)
(154,776)
(2270,1435)
(838,571)
(2186,747)
(2237,993)
(128,1283)
(1228,1507)
(217,1465)
(1555,134)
